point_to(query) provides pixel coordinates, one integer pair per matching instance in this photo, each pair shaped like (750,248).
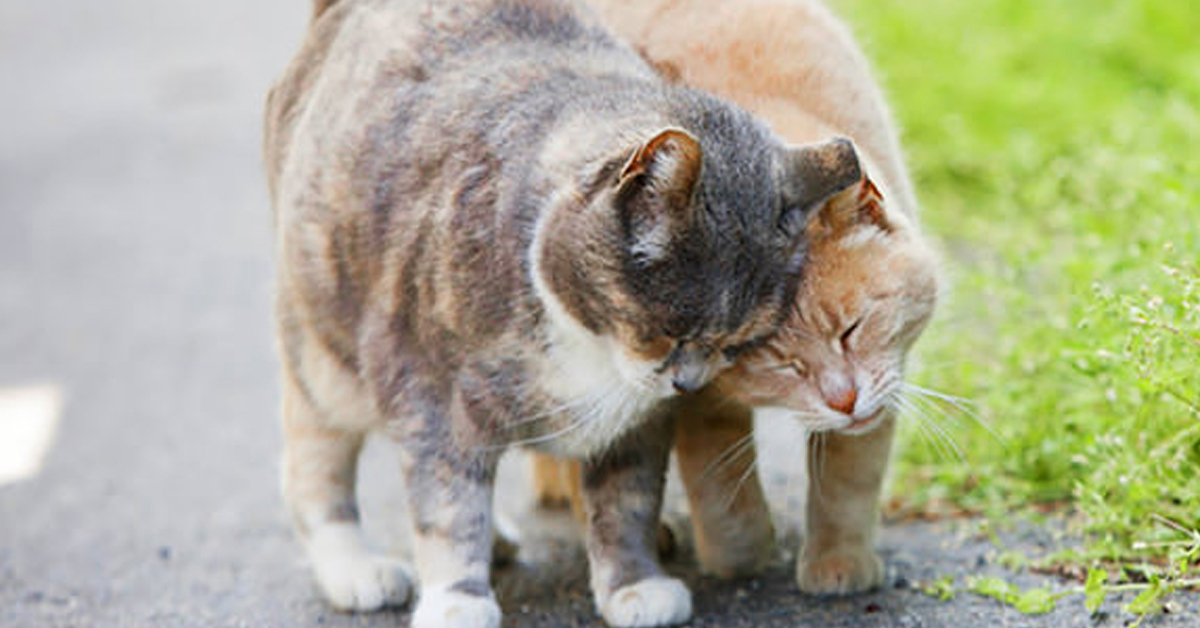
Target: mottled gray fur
(496,226)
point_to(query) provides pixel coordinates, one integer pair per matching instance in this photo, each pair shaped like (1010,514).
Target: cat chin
(856,427)
(808,420)
(826,421)
(861,423)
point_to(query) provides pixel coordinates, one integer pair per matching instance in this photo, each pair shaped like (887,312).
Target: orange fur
(869,289)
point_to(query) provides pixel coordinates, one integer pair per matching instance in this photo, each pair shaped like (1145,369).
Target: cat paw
(364,583)
(442,607)
(652,602)
(847,570)
(351,576)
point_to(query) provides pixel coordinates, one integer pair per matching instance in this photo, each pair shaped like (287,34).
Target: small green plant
(1154,586)
(942,588)
(1094,590)
(1033,601)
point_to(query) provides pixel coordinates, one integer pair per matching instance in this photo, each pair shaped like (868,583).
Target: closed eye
(733,352)
(795,366)
(848,333)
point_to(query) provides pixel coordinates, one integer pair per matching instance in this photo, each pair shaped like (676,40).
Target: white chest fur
(597,402)
(598,392)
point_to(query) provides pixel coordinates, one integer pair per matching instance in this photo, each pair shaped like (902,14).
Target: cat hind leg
(352,577)
(318,485)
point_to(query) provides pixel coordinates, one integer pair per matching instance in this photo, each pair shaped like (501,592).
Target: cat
(846,394)
(837,367)
(497,226)
(870,287)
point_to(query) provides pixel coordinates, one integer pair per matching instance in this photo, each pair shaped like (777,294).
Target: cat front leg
(731,522)
(449,480)
(845,478)
(622,490)
(318,484)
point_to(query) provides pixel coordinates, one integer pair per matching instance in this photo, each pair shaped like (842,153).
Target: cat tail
(320,6)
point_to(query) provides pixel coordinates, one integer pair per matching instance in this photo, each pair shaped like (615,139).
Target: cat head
(868,290)
(684,250)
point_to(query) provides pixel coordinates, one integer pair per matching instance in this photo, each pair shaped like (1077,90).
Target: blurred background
(138,413)
(1054,148)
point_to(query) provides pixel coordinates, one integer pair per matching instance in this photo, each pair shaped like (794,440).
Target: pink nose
(843,400)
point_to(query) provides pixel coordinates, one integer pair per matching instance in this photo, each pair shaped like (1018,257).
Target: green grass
(1055,145)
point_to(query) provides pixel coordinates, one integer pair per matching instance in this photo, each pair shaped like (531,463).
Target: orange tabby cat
(869,289)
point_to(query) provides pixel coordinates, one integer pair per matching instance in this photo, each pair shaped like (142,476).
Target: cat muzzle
(690,376)
(689,368)
(685,384)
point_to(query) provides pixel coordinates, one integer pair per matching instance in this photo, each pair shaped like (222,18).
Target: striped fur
(495,225)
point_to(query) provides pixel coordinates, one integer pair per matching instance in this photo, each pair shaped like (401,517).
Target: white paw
(651,602)
(354,579)
(840,571)
(440,607)
(365,583)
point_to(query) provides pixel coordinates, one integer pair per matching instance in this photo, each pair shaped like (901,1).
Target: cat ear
(667,164)
(859,205)
(814,173)
(870,206)
(655,190)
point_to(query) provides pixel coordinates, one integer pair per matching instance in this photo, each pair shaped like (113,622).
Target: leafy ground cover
(1056,149)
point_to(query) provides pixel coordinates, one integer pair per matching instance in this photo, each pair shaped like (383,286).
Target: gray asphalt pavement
(134,279)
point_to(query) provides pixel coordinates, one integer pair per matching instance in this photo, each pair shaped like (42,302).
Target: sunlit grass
(1056,150)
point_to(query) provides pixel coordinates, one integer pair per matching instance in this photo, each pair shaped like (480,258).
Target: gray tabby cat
(495,226)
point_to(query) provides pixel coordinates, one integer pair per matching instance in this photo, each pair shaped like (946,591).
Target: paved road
(134,279)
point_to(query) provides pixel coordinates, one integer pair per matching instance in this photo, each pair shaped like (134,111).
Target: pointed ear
(858,205)
(655,190)
(815,172)
(668,163)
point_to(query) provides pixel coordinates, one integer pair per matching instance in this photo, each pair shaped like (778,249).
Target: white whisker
(935,411)
(581,411)
(737,488)
(933,433)
(965,406)
(729,456)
